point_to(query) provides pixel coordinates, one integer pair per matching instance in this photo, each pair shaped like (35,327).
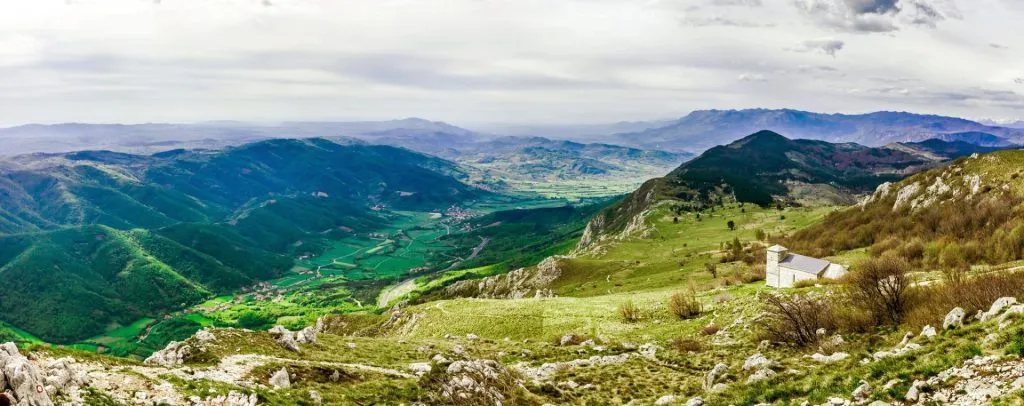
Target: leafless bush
(629,311)
(795,319)
(685,305)
(972,294)
(685,345)
(882,287)
(710,330)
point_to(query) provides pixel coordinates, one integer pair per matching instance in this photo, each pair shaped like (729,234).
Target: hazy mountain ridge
(705,128)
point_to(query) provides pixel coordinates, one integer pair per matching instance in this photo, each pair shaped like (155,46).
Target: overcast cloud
(478,61)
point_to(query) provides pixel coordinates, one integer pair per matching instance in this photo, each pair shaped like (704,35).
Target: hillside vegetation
(96,239)
(764,169)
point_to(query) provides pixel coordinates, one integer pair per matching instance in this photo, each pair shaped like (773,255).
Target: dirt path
(396,292)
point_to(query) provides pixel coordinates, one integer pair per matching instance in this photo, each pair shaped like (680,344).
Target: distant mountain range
(766,168)
(703,129)
(96,237)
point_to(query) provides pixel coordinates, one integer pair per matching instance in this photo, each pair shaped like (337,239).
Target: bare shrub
(805,283)
(882,287)
(685,345)
(685,305)
(972,294)
(710,329)
(795,319)
(629,311)
(756,274)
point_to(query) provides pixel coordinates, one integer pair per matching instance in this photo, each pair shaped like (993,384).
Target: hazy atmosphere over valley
(511,202)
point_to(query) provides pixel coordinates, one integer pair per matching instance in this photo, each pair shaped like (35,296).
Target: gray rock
(928,331)
(204,335)
(757,361)
(954,319)
(665,400)
(306,335)
(22,377)
(284,338)
(997,307)
(281,380)
(711,378)
(761,375)
(862,392)
(315,397)
(173,354)
(828,359)
(697,401)
(915,390)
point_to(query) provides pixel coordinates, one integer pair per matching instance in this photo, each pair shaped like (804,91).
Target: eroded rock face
(997,308)
(22,378)
(284,338)
(518,284)
(174,354)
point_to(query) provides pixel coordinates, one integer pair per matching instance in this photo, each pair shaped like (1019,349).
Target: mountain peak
(763,137)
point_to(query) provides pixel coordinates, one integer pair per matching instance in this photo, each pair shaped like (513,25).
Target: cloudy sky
(510,61)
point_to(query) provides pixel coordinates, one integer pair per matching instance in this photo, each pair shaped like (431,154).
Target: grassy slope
(523,331)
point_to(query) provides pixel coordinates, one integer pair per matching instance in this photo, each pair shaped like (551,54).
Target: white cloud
(493,60)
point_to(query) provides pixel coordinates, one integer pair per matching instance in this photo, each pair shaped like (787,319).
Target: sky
(503,61)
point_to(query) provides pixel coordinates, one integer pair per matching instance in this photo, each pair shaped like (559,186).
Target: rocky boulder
(712,376)
(306,335)
(22,377)
(954,319)
(756,362)
(281,379)
(174,354)
(284,338)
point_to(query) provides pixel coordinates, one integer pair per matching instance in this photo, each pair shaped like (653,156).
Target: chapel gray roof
(804,264)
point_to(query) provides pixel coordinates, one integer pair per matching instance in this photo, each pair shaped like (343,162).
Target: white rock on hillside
(665,400)
(22,378)
(928,331)
(757,361)
(173,354)
(697,401)
(281,379)
(711,378)
(954,319)
(904,195)
(233,398)
(63,378)
(997,308)
(284,338)
(204,335)
(761,375)
(828,359)
(306,335)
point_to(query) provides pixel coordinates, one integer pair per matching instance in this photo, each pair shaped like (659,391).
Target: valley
(576,299)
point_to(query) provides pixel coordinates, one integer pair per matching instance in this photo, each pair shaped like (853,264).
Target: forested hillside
(91,239)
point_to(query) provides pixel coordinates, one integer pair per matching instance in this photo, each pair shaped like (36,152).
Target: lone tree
(731,224)
(883,286)
(712,269)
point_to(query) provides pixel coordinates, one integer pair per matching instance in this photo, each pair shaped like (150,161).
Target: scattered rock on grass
(757,361)
(281,380)
(954,319)
(284,338)
(665,400)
